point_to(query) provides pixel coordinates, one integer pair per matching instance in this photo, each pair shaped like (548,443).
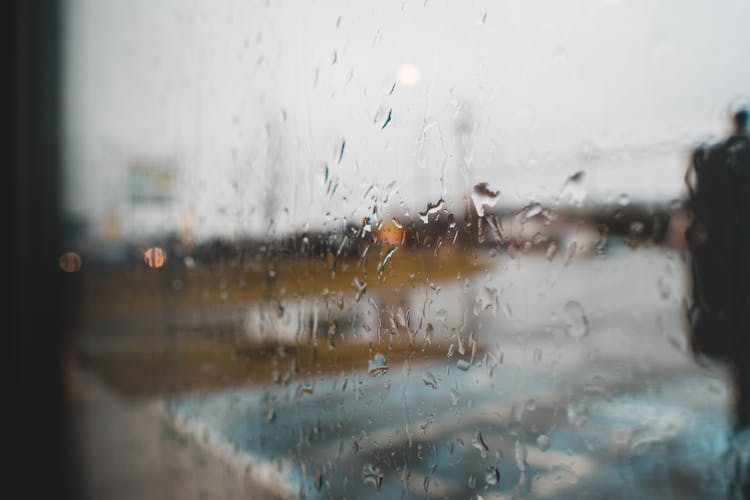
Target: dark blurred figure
(719,241)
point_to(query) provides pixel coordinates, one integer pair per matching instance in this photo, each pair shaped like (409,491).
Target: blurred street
(580,386)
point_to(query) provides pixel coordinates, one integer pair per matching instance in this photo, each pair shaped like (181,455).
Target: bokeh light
(154,257)
(408,75)
(69,262)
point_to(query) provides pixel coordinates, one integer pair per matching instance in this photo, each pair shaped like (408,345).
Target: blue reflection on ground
(632,444)
(621,413)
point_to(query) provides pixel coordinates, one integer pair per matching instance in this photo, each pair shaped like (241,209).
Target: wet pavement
(580,386)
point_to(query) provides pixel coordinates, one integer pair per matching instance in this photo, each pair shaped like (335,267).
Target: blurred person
(718,239)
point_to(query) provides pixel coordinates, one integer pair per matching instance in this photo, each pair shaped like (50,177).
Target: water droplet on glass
(372,476)
(430,381)
(386,258)
(387,119)
(305,389)
(377,365)
(492,475)
(519,453)
(551,251)
(532,211)
(505,306)
(428,332)
(427,423)
(361,287)
(543,442)
(472,481)
(455,397)
(483,197)
(318,480)
(341,151)
(463,365)
(577,324)
(574,189)
(432,209)
(478,442)
(636,231)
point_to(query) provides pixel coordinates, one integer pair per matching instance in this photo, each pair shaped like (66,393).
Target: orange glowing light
(155,257)
(390,233)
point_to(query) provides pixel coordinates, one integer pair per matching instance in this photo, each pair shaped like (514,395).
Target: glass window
(398,249)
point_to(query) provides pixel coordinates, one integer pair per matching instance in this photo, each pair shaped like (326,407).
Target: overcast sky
(251,99)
